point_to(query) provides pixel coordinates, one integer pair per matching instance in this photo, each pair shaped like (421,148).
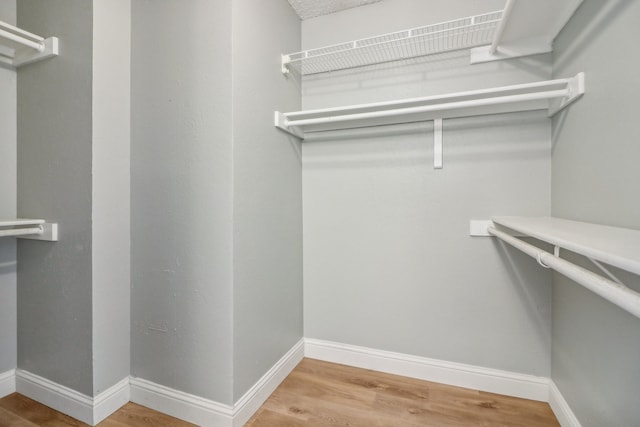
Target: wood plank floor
(20,411)
(325,394)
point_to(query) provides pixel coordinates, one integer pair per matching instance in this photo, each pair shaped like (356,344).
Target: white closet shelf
(617,247)
(550,95)
(19,47)
(34,229)
(463,33)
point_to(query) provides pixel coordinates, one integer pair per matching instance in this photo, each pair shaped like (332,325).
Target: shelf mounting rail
(19,47)
(34,229)
(550,95)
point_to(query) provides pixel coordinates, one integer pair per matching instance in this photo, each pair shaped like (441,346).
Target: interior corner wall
(8,301)
(595,176)
(181,196)
(267,220)
(387,249)
(111,234)
(54,182)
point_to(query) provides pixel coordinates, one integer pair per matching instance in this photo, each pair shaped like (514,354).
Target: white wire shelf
(34,229)
(19,47)
(618,247)
(463,33)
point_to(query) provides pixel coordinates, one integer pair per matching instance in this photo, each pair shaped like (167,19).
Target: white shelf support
(34,229)
(19,47)
(437,144)
(506,14)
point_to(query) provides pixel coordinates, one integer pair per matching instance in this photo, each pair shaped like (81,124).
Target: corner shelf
(550,95)
(614,246)
(19,47)
(463,33)
(34,229)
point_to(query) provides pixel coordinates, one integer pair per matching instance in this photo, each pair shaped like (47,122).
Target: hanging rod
(614,292)
(550,95)
(19,47)
(34,229)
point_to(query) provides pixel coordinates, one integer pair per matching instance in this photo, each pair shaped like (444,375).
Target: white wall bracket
(437,143)
(33,229)
(19,47)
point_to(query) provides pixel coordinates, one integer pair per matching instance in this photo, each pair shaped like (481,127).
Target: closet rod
(427,108)
(618,294)
(22,37)
(21,232)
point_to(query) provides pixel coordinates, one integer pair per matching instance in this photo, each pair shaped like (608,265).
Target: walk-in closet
(205,205)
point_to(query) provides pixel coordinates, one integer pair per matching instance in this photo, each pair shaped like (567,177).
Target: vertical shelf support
(437,143)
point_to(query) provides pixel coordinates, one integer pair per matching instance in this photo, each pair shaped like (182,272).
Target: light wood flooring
(325,394)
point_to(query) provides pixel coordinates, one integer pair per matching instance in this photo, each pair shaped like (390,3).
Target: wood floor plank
(133,415)
(36,413)
(9,419)
(319,393)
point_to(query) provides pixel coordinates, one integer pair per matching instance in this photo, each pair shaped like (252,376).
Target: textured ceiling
(311,8)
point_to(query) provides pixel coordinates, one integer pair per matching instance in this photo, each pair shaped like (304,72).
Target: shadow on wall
(520,267)
(409,144)
(599,15)
(453,67)
(8,263)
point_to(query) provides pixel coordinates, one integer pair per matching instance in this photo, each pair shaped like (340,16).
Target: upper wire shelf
(19,47)
(463,33)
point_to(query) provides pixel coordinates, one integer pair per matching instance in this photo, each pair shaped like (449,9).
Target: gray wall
(181,196)
(267,192)
(216,195)
(54,182)
(388,262)
(596,346)
(111,233)
(8,301)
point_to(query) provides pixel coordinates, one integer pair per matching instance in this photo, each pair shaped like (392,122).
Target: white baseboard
(7,383)
(77,405)
(110,400)
(187,407)
(209,413)
(456,374)
(248,404)
(561,408)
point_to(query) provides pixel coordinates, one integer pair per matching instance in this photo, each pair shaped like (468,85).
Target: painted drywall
(181,196)
(388,262)
(267,192)
(111,192)
(8,302)
(595,176)
(54,182)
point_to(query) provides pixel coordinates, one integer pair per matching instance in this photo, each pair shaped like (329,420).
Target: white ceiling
(311,8)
